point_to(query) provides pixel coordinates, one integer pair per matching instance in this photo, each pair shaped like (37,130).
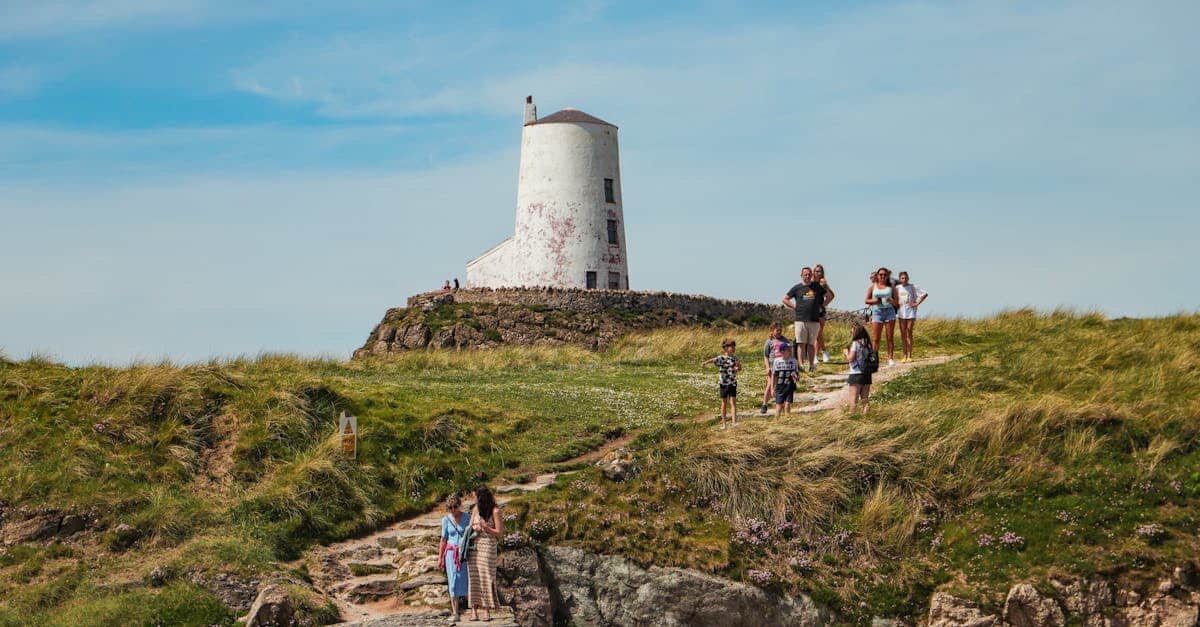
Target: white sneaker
(891,362)
(825,357)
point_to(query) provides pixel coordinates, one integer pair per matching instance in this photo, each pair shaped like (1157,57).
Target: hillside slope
(1057,445)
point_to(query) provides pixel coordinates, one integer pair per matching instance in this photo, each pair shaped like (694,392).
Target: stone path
(391,578)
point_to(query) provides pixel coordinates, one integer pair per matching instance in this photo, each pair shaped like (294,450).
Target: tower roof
(569,115)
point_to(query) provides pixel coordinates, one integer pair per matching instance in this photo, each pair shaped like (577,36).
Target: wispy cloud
(75,157)
(52,17)
(18,79)
(55,18)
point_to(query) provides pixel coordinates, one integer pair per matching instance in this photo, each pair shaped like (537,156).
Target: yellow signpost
(348,429)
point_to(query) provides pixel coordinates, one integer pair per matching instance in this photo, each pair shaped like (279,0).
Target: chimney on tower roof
(530,110)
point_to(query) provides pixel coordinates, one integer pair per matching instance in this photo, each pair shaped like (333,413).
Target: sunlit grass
(1049,426)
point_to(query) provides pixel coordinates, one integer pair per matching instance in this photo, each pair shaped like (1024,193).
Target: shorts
(859,379)
(784,394)
(879,316)
(728,391)
(806,331)
(907,313)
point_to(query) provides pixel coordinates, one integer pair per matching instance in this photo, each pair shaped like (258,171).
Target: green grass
(1067,430)
(233,466)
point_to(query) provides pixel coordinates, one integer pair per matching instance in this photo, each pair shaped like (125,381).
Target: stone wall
(597,301)
(594,319)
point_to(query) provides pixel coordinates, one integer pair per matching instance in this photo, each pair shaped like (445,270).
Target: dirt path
(833,398)
(828,391)
(391,578)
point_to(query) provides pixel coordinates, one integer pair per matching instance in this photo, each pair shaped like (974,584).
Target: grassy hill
(1057,443)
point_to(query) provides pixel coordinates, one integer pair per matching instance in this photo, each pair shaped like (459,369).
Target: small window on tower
(612,232)
(609,194)
(614,280)
(591,280)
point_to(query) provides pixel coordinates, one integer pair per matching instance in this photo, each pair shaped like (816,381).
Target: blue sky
(200,178)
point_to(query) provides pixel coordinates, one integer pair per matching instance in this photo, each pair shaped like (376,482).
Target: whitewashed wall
(561,219)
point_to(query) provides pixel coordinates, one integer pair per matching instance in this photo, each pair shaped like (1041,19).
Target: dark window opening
(612,232)
(591,280)
(609,194)
(614,280)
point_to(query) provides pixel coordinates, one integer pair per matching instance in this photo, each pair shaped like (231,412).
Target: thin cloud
(17,80)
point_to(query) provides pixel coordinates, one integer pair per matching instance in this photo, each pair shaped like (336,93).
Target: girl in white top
(910,297)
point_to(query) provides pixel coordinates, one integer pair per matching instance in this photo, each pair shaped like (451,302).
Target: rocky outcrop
(946,610)
(618,465)
(524,588)
(272,608)
(1026,607)
(42,525)
(234,591)
(1092,602)
(593,319)
(608,590)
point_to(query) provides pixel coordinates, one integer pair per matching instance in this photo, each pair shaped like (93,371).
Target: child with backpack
(729,366)
(786,372)
(770,352)
(864,361)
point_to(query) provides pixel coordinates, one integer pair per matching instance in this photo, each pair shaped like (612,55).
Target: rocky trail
(391,577)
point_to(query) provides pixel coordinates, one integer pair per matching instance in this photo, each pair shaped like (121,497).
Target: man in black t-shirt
(807,298)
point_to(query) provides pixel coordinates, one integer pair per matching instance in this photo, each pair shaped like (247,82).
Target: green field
(1067,432)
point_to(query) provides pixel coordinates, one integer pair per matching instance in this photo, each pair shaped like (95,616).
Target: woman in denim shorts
(882,298)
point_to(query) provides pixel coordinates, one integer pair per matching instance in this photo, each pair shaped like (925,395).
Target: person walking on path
(807,298)
(785,370)
(456,283)
(819,275)
(882,298)
(857,355)
(770,352)
(910,297)
(481,559)
(729,366)
(450,557)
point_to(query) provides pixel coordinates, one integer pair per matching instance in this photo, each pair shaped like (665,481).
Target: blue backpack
(866,358)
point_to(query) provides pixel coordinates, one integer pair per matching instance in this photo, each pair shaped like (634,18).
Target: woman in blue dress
(454,525)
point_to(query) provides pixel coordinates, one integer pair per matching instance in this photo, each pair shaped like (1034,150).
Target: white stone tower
(570,224)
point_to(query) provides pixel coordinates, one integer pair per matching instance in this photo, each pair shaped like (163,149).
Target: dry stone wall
(594,319)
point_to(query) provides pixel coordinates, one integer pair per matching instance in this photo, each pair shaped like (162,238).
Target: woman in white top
(911,297)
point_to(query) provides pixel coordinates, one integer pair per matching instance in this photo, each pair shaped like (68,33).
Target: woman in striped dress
(481,560)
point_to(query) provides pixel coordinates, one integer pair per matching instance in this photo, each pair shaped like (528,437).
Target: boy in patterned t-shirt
(785,371)
(729,366)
